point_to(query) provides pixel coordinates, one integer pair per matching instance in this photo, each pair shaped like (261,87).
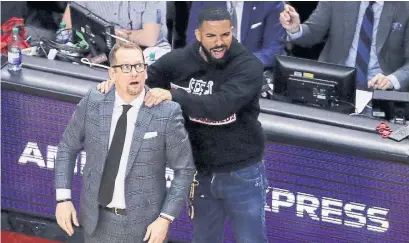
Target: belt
(117,211)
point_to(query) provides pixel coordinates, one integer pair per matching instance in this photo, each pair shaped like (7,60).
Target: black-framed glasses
(126,68)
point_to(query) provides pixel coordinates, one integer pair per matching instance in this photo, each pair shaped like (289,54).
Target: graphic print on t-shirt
(203,87)
(200,87)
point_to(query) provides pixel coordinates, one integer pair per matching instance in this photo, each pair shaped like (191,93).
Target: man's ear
(111,73)
(198,36)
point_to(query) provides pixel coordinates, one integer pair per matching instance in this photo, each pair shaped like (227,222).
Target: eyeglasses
(126,68)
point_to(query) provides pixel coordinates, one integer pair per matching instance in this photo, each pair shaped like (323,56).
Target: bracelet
(64,200)
(166,218)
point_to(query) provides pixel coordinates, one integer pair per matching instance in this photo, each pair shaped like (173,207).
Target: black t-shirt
(220,104)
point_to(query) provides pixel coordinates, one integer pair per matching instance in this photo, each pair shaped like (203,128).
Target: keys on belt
(194,184)
(117,211)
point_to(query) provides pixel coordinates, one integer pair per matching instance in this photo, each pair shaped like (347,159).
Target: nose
(134,73)
(219,41)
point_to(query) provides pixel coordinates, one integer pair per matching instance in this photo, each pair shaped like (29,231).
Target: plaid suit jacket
(145,185)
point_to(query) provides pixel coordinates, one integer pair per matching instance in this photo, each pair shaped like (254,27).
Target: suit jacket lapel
(141,126)
(246,20)
(350,13)
(385,24)
(105,116)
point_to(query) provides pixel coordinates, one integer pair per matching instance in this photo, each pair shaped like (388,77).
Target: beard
(211,59)
(133,92)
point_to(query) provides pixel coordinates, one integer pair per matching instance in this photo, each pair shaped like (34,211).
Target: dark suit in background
(261,31)
(339,20)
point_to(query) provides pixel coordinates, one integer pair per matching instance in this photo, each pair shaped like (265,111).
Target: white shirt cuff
(168,216)
(62,194)
(295,35)
(394,81)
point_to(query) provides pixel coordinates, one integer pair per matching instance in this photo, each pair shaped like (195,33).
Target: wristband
(63,200)
(166,218)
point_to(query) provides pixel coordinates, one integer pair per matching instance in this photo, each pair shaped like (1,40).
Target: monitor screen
(391,105)
(315,83)
(94,27)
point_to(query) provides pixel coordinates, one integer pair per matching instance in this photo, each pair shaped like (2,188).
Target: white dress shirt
(239,13)
(373,66)
(118,198)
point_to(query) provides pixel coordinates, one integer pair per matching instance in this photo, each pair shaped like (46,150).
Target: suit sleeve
(192,23)
(70,146)
(233,94)
(274,36)
(402,74)
(317,25)
(180,159)
(82,3)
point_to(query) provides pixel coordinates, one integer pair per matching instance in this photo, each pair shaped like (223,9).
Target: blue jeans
(240,196)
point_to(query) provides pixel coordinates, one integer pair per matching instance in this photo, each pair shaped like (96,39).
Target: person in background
(124,196)
(372,36)
(255,24)
(176,20)
(142,22)
(217,82)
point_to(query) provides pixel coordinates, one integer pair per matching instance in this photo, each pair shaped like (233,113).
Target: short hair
(213,13)
(125,45)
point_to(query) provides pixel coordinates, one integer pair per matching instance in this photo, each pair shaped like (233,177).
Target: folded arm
(151,24)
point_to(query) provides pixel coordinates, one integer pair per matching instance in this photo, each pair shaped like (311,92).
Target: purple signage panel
(315,196)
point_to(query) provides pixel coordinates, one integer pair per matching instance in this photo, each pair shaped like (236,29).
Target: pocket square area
(150,135)
(255,25)
(396,26)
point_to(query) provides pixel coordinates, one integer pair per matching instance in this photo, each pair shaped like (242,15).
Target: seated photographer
(142,22)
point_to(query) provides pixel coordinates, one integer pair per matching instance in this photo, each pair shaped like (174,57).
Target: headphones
(64,52)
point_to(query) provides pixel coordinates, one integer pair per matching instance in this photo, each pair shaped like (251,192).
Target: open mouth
(133,83)
(218,52)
